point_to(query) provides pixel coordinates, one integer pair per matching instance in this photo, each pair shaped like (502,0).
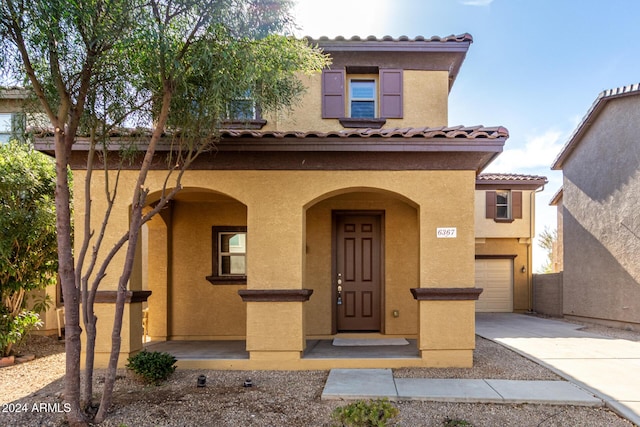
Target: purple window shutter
(516,208)
(332,94)
(491,197)
(391,94)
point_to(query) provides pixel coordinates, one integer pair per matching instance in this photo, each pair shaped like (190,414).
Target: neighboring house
(354,213)
(12,113)
(15,103)
(600,211)
(505,219)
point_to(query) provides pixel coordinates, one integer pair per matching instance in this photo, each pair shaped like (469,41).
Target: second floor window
(362,98)
(362,93)
(503,205)
(242,108)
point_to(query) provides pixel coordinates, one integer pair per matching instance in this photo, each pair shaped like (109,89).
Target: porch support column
(158,275)
(274,295)
(446,297)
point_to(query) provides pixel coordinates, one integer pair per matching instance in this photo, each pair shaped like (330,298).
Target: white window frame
(5,131)
(230,253)
(506,194)
(364,78)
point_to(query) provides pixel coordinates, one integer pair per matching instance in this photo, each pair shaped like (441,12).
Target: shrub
(152,366)
(372,413)
(14,329)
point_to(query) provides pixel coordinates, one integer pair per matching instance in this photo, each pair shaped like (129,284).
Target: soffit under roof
(459,148)
(418,53)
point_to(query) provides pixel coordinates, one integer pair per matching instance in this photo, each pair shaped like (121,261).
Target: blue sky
(535,66)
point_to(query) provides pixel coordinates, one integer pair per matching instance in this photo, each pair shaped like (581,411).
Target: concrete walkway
(607,367)
(380,383)
(592,365)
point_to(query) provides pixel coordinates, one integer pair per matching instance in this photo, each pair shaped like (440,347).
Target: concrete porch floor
(319,354)
(316,349)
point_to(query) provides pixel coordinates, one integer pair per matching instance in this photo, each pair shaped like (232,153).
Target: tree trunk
(67,279)
(137,204)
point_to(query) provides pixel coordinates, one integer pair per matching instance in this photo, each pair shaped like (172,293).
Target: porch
(319,354)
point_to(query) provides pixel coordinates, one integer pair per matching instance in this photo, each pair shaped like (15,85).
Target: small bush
(372,413)
(14,329)
(152,366)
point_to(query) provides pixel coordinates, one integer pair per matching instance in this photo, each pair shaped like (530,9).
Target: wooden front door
(357,282)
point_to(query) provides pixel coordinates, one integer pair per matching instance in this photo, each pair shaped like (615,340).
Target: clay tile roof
(510,178)
(466,37)
(477,132)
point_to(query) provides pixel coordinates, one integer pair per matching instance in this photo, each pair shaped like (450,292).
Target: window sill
(349,122)
(222,280)
(504,220)
(243,124)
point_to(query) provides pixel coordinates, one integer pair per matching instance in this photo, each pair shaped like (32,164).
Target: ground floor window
(229,253)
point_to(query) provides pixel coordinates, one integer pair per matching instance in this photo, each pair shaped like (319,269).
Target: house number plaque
(446,232)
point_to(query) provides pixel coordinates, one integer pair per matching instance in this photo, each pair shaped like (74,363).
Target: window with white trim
(503,207)
(362,98)
(5,127)
(229,253)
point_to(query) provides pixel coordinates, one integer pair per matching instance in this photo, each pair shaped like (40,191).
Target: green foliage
(449,422)
(372,413)
(152,366)
(547,241)
(14,329)
(28,257)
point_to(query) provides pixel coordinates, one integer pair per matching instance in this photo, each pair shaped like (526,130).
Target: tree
(548,239)
(28,257)
(98,64)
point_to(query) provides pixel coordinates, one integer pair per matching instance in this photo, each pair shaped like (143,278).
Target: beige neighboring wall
(519,228)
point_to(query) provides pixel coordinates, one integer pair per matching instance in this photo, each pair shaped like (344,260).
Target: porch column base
(447,332)
(447,358)
(281,356)
(275,323)
(131,334)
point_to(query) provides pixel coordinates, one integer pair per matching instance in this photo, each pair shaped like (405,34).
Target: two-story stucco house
(352,214)
(505,219)
(599,212)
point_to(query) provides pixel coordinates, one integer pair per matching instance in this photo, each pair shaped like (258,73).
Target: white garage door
(495,277)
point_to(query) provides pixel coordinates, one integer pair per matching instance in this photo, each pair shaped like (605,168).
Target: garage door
(495,277)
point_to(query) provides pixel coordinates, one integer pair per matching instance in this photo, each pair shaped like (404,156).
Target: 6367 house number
(446,232)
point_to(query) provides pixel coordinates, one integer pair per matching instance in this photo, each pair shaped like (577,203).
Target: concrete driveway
(608,367)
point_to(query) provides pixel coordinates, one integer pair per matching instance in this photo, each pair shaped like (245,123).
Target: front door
(357,282)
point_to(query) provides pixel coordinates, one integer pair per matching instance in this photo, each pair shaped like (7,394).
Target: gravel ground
(277,398)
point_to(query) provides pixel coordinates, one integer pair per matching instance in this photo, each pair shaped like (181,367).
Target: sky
(535,66)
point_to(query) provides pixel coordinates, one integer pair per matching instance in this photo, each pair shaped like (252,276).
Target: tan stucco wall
(276,204)
(425,100)
(521,281)
(213,310)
